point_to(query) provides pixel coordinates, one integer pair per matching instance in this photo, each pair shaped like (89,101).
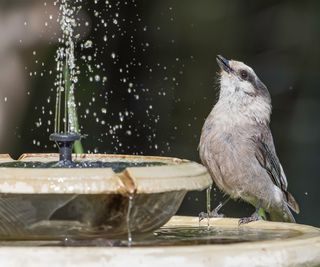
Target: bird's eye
(244,74)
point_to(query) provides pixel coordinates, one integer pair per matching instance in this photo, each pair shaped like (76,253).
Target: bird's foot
(215,213)
(254,217)
(212,214)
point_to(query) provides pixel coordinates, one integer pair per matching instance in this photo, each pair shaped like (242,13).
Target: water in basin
(117,166)
(165,236)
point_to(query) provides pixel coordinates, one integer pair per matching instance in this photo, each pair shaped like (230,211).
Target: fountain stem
(65,143)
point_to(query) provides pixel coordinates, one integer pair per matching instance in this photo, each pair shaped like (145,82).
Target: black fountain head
(65,143)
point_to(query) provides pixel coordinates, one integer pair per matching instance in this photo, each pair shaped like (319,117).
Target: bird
(237,148)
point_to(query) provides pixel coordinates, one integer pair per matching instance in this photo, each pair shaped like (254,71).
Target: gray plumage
(237,147)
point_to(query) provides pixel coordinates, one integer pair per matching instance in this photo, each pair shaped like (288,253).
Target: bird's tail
(292,203)
(282,214)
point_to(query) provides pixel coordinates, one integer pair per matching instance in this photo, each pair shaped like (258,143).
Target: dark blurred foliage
(279,39)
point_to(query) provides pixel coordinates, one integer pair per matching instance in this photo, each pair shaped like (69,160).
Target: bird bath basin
(181,242)
(107,195)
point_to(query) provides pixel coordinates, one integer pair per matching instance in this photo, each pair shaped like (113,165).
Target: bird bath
(108,195)
(112,214)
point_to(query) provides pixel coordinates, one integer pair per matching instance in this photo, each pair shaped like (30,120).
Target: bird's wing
(267,157)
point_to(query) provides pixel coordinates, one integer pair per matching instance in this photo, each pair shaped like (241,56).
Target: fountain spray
(66,80)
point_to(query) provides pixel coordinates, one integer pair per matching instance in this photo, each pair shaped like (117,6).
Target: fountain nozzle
(65,143)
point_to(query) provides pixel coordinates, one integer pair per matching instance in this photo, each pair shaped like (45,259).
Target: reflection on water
(167,236)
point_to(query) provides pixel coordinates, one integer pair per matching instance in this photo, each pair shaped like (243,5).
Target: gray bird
(237,147)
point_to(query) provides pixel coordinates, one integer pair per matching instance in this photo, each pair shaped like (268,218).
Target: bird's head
(241,87)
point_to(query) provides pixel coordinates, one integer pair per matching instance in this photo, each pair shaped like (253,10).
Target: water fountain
(70,209)
(58,196)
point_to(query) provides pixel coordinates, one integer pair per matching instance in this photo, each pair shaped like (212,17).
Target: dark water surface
(117,166)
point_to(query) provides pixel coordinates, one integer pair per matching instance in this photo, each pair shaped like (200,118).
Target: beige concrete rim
(178,175)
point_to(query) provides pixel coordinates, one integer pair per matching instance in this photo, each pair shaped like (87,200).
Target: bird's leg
(256,216)
(214,213)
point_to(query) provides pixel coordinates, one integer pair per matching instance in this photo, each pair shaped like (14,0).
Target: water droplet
(88,44)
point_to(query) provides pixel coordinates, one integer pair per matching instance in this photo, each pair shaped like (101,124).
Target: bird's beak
(224,64)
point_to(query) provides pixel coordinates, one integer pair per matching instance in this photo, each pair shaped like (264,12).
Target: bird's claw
(203,215)
(213,214)
(254,217)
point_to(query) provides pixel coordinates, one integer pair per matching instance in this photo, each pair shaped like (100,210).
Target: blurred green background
(156,80)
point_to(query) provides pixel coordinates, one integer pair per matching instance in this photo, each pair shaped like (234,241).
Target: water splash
(117,68)
(208,204)
(130,205)
(67,70)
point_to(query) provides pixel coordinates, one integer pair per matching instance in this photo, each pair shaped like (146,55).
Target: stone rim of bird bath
(301,250)
(177,175)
